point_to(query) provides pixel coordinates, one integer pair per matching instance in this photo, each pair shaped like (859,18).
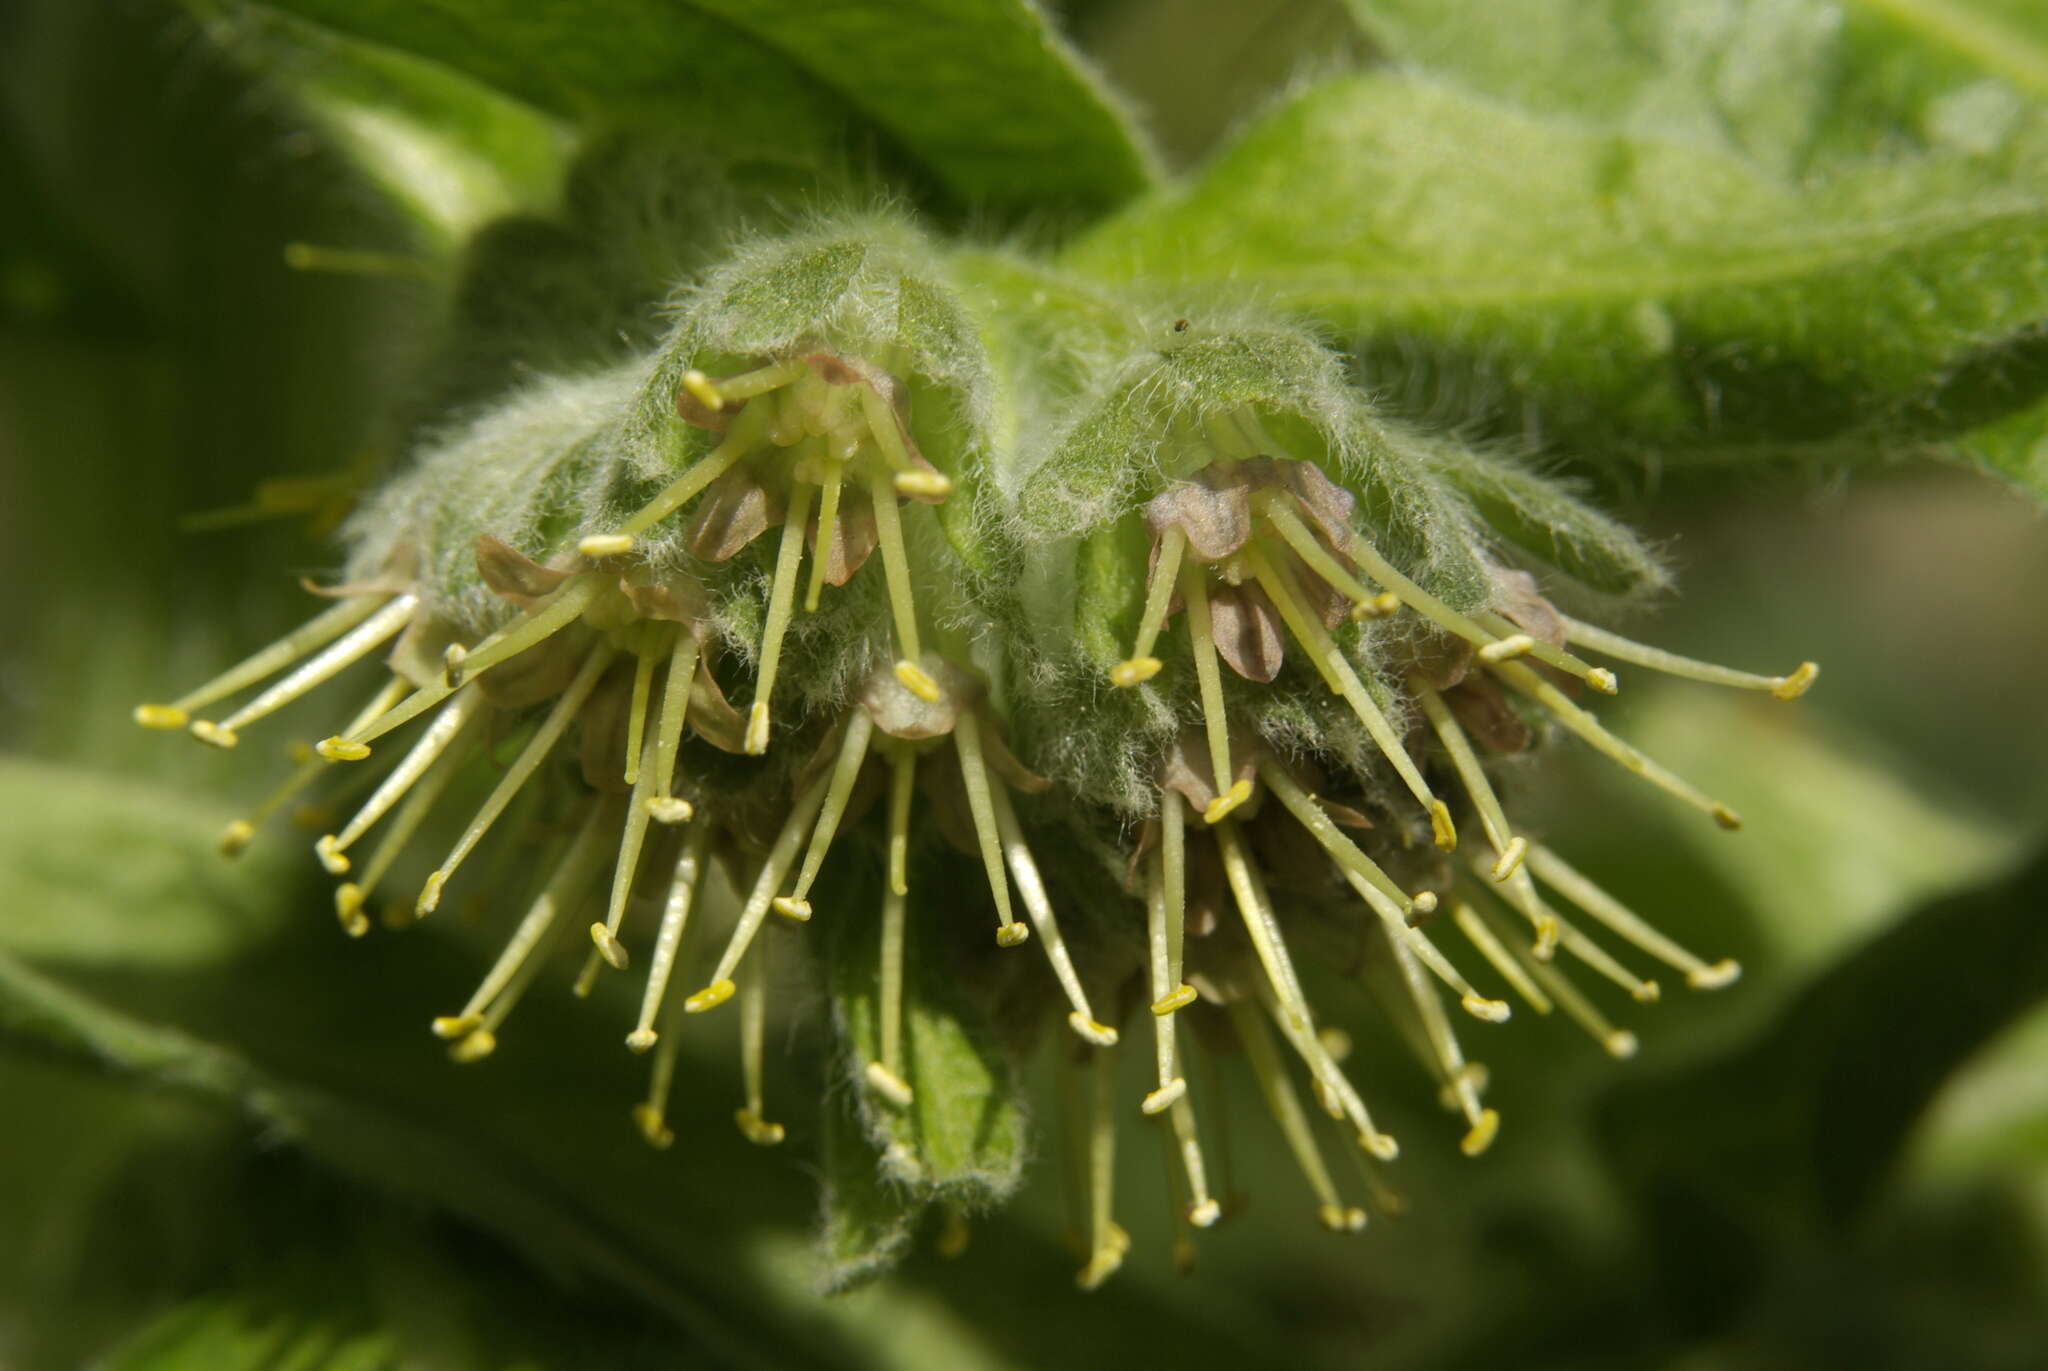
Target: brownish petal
(853,538)
(697,414)
(1185,768)
(1485,711)
(676,600)
(1515,595)
(1327,505)
(512,574)
(901,714)
(540,673)
(735,511)
(1247,631)
(1217,520)
(712,716)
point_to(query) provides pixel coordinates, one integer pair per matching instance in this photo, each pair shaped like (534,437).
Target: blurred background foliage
(228,1144)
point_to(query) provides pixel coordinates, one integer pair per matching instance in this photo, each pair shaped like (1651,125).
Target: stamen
(572,874)
(1336,671)
(311,767)
(902,780)
(1107,1241)
(981,805)
(1285,1106)
(781,605)
(1173,889)
(1497,955)
(650,1115)
(1296,534)
(516,776)
(853,750)
(351,896)
(316,632)
(753,1118)
(1203,1211)
(358,643)
(828,525)
(1141,665)
(1618,1042)
(1553,871)
(1194,590)
(562,607)
(1347,854)
(886,1075)
(1165,986)
(744,436)
(1414,596)
(668,735)
(882,423)
(668,940)
(748,384)
(1787,687)
(632,837)
(1024,870)
(1481,1123)
(636,711)
(601,545)
(780,856)
(896,571)
(1596,677)
(1291,1006)
(1589,728)
(445,728)
(1508,847)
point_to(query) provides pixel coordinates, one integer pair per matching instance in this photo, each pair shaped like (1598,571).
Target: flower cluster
(859,595)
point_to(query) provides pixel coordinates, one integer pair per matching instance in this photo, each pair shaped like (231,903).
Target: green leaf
(962,1136)
(982,93)
(1629,290)
(451,152)
(868,1220)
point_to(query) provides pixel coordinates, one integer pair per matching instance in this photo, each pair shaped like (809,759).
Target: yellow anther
(1101,1034)
(348,900)
(430,893)
(607,545)
(1341,1218)
(757,728)
(703,390)
(1790,688)
(1179,999)
(331,857)
(1480,1136)
(1220,808)
(452,658)
(1162,1099)
(756,1129)
(1135,671)
(212,733)
(652,1126)
(1012,934)
(1722,973)
(1508,648)
(1620,1044)
(1422,902)
(1727,817)
(1603,680)
(888,1085)
(1545,946)
(1479,1007)
(1335,1041)
(609,947)
(918,682)
(161,716)
(475,1047)
(1440,825)
(1107,1258)
(924,485)
(235,837)
(1381,1145)
(641,1039)
(667,809)
(710,997)
(1204,1213)
(799,910)
(1510,861)
(1380,606)
(340,749)
(453,1026)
